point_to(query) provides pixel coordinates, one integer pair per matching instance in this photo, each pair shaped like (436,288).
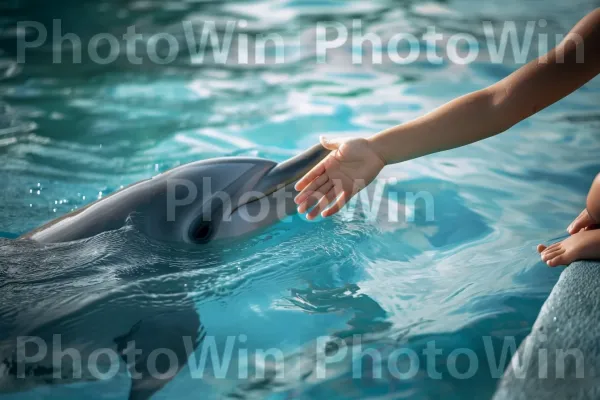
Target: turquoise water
(71,134)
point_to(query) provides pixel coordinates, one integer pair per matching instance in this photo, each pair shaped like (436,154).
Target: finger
(310,202)
(317,195)
(330,144)
(337,206)
(314,197)
(582,221)
(310,176)
(576,226)
(310,189)
(329,196)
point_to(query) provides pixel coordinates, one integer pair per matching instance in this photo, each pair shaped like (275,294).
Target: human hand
(583,222)
(350,167)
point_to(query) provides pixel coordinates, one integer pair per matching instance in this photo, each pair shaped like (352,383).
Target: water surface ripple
(71,134)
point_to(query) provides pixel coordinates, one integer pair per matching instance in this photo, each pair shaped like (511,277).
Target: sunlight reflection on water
(68,133)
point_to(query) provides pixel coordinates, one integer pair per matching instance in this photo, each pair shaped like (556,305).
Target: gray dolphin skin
(114,336)
(193,203)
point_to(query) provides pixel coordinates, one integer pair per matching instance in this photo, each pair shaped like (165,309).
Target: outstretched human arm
(354,163)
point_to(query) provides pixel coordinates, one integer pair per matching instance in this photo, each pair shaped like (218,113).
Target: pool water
(469,279)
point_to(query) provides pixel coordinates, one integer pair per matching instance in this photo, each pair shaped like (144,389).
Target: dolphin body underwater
(113,321)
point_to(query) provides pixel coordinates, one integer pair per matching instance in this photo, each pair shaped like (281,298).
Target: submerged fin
(121,341)
(174,333)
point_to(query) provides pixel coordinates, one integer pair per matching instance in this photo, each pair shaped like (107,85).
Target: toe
(541,247)
(552,254)
(561,259)
(552,247)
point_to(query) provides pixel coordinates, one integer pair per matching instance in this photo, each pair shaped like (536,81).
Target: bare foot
(584,245)
(583,222)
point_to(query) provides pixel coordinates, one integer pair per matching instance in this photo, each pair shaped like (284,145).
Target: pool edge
(560,358)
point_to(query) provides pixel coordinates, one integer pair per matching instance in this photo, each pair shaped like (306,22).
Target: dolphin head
(223,198)
(194,203)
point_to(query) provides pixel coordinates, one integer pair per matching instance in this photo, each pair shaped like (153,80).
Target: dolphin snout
(290,171)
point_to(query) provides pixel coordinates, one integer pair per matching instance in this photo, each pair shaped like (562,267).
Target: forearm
(490,111)
(464,120)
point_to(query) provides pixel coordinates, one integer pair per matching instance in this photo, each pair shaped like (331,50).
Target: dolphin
(194,204)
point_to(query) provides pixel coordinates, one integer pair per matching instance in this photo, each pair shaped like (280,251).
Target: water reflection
(69,133)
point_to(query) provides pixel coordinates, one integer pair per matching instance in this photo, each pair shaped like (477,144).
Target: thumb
(330,144)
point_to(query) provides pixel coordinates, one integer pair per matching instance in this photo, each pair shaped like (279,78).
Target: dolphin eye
(201,234)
